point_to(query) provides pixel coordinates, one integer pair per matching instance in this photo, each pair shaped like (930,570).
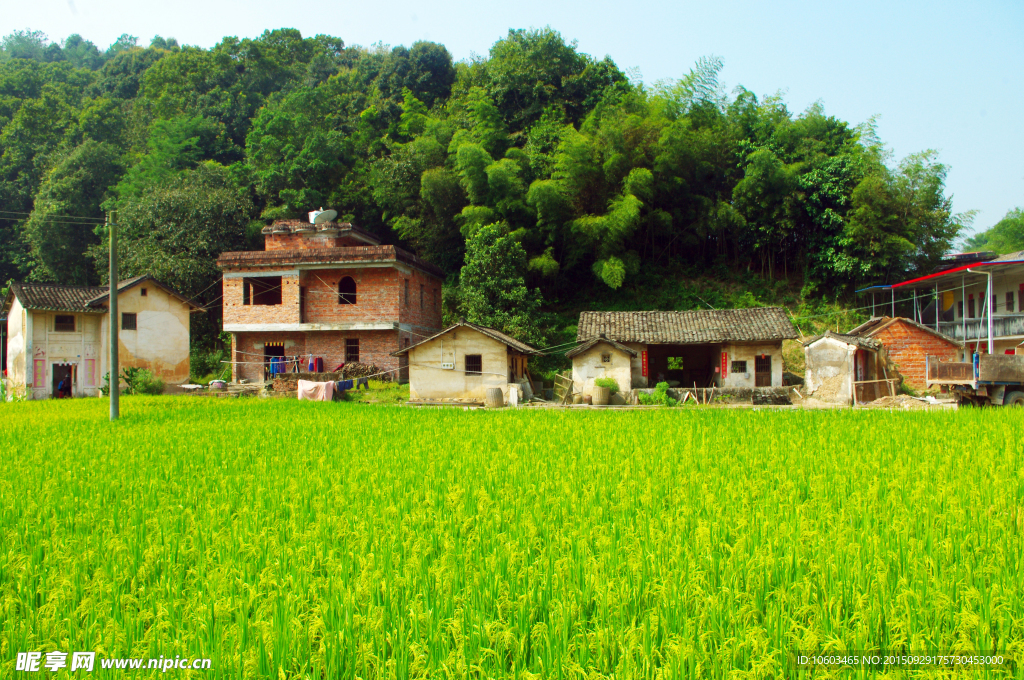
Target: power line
(100,220)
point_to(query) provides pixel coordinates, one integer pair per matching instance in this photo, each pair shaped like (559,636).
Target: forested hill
(599,178)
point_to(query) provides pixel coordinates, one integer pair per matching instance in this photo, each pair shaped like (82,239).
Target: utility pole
(115,380)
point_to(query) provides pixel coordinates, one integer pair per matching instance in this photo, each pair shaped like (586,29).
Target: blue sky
(939,74)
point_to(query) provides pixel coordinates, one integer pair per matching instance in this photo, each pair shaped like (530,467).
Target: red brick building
(326,290)
(907,343)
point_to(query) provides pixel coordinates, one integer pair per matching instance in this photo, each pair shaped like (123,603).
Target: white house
(56,332)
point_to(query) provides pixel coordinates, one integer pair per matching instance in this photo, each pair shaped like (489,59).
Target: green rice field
(286,539)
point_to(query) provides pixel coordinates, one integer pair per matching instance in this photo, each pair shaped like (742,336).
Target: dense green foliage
(403,543)
(595,176)
(1007,236)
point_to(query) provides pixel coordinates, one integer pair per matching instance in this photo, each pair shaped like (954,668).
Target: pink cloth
(316,391)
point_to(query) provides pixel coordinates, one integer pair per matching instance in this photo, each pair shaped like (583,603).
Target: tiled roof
(877,324)
(83,299)
(689,328)
(489,332)
(348,255)
(855,340)
(333,228)
(55,297)
(580,349)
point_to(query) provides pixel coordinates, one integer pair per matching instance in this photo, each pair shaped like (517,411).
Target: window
(422,294)
(64,324)
(435,299)
(346,291)
(474,364)
(675,363)
(129,321)
(606,357)
(739,367)
(262,290)
(1009,302)
(406,292)
(995,305)
(970,307)
(145,292)
(960,309)
(352,351)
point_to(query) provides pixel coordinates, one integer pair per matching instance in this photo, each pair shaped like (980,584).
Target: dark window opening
(474,364)
(406,292)
(739,367)
(675,364)
(352,351)
(64,324)
(346,291)
(435,299)
(1009,302)
(970,308)
(129,321)
(606,357)
(145,292)
(995,305)
(422,293)
(263,290)
(960,309)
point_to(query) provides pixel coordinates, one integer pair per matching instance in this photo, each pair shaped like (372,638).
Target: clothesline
(372,375)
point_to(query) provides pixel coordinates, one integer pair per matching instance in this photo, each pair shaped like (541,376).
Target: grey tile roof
(580,349)
(83,299)
(55,297)
(1010,257)
(489,332)
(855,340)
(877,324)
(689,328)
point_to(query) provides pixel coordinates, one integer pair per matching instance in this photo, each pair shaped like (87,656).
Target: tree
(77,185)
(1007,236)
(492,286)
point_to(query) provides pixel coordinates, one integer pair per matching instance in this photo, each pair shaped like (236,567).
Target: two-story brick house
(326,290)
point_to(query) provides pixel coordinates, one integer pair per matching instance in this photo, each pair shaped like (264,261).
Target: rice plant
(309,540)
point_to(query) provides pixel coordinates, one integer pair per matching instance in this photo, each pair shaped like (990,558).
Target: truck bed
(986,369)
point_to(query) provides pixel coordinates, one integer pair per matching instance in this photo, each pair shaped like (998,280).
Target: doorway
(273,360)
(763,371)
(63,373)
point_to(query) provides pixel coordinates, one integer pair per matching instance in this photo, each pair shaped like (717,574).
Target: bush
(611,383)
(206,363)
(659,398)
(141,381)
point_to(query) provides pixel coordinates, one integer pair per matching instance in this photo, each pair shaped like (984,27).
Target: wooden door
(763,371)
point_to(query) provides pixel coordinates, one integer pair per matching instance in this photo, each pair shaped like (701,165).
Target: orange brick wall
(300,241)
(908,346)
(427,315)
(286,312)
(377,295)
(375,348)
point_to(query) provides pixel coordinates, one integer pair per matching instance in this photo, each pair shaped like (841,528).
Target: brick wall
(236,312)
(377,295)
(300,241)
(411,311)
(907,347)
(375,348)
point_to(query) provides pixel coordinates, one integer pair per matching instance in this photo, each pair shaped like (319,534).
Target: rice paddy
(308,540)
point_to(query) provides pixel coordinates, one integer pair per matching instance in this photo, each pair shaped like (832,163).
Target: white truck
(986,380)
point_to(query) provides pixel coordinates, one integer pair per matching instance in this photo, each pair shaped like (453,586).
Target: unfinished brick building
(908,343)
(326,290)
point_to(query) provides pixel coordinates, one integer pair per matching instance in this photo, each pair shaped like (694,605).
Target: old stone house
(601,358)
(907,343)
(463,361)
(56,332)
(726,348)
(329,291)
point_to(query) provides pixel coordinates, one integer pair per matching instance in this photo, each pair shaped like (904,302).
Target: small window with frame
(352,351)
(129,321)
(64,323)
(739,367)
(1009,302)
(474,364)
(145,292)
(606,357)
